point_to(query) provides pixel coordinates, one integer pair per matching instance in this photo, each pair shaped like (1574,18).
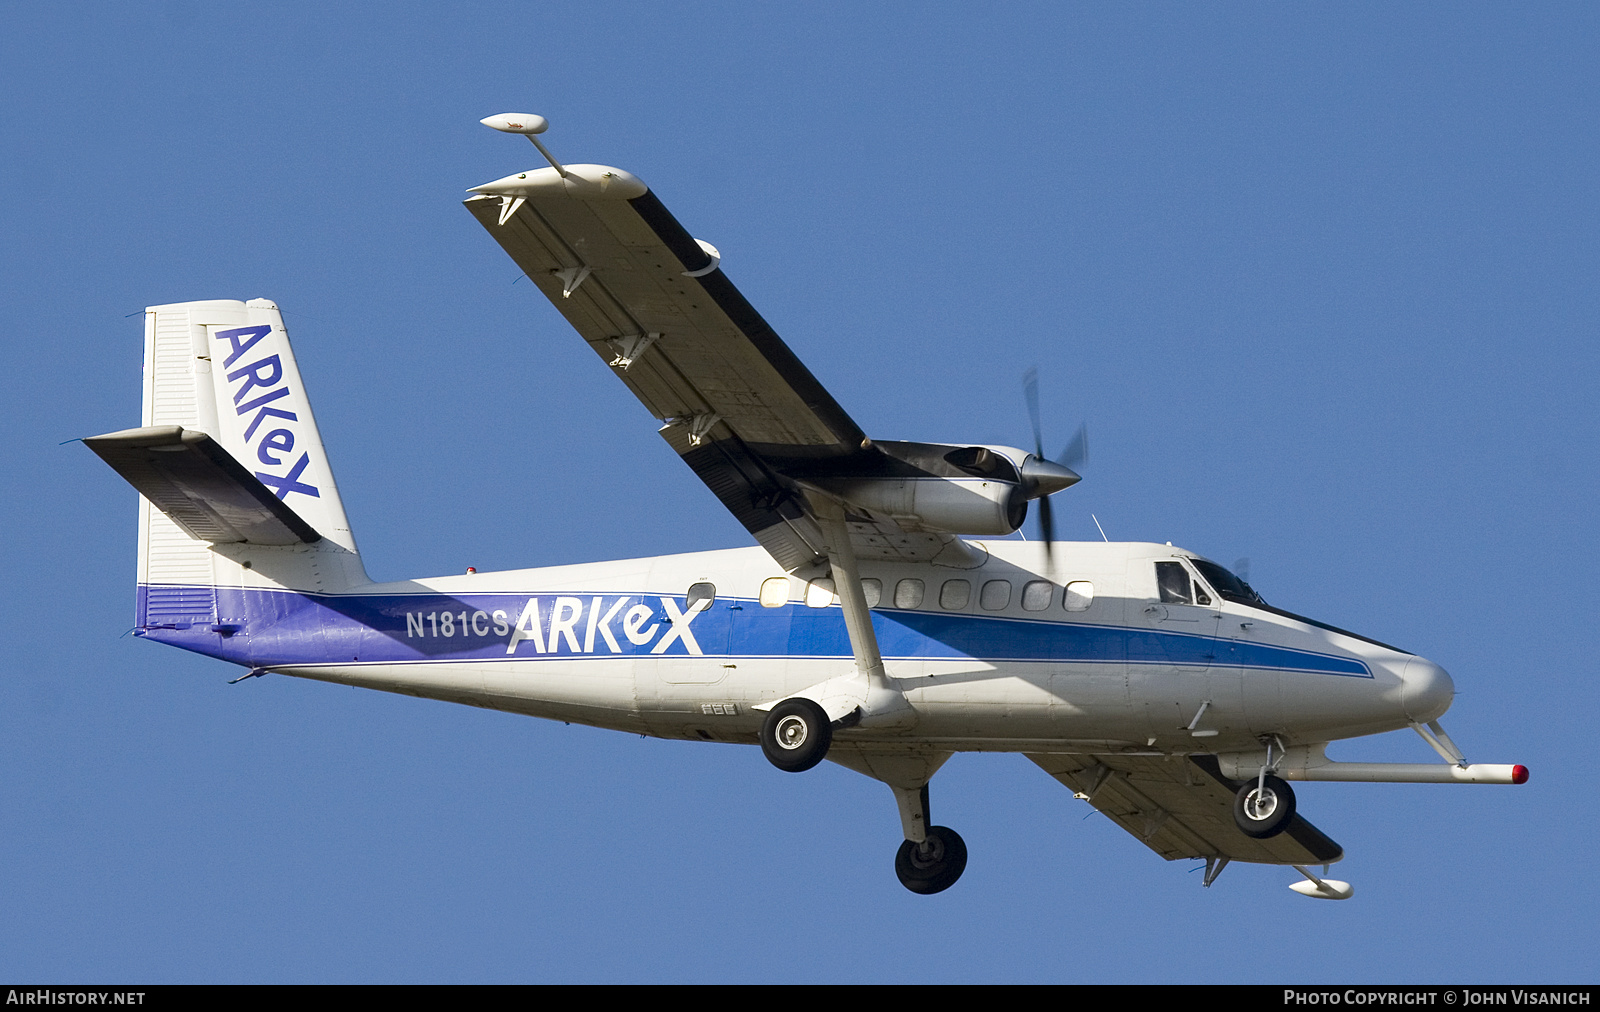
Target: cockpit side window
(1173,582)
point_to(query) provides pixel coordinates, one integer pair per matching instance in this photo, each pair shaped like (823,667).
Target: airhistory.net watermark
(43,996)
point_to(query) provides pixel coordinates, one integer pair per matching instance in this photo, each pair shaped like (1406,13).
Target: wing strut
(881,702)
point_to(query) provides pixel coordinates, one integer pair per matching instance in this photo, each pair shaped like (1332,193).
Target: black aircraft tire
(1267,817)
(796,735)
(934,868)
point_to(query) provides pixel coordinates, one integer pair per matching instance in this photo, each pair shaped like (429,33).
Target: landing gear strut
(933,865)
(932,857)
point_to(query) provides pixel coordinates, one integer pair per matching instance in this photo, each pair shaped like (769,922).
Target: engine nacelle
(973,490)
(954,505)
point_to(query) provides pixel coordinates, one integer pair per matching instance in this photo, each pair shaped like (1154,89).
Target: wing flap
(757,499)
(189,476)
(1181,807)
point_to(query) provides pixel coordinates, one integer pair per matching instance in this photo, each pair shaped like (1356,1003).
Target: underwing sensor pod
(879,622)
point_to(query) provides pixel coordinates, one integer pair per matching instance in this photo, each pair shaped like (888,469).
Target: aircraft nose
(1426,690)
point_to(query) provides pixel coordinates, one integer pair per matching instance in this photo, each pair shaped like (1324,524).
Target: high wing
(1182,807)
(737,405)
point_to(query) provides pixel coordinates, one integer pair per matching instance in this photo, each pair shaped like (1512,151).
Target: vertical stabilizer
(226,369)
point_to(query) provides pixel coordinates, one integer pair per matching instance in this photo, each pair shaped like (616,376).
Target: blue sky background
(1321,278)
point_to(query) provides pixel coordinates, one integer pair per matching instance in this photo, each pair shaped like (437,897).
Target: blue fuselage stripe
(268,627)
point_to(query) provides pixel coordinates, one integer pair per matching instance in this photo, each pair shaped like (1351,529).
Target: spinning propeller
(1042,476)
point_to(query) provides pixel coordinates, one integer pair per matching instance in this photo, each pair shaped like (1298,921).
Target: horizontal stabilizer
(188,476)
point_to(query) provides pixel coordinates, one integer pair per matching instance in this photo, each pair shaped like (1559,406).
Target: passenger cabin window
(1037,594)
(1079,596)
(775,592)
(1173,582)
(819,593)
(996,594)
(702,592)
(955,595)
(908,594)
(872,590)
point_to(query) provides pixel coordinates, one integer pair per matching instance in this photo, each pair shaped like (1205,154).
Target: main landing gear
(796,735)
(932,857)
(933,865)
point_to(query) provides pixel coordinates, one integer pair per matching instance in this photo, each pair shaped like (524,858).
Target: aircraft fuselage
(993,657)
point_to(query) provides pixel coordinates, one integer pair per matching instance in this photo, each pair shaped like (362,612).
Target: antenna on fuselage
(1101,529)
(526,124)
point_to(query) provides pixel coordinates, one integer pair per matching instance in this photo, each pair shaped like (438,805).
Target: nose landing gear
(1263,807)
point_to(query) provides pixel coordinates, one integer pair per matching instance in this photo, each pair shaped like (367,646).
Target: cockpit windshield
(1229,586)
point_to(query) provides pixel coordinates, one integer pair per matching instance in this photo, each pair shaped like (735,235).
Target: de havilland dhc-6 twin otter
(881,623)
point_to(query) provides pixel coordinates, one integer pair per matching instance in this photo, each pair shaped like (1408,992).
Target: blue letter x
(291,481)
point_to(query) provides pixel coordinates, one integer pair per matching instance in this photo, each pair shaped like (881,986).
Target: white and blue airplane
(881,623)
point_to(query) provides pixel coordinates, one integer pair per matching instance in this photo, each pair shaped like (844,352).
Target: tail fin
(226,369)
